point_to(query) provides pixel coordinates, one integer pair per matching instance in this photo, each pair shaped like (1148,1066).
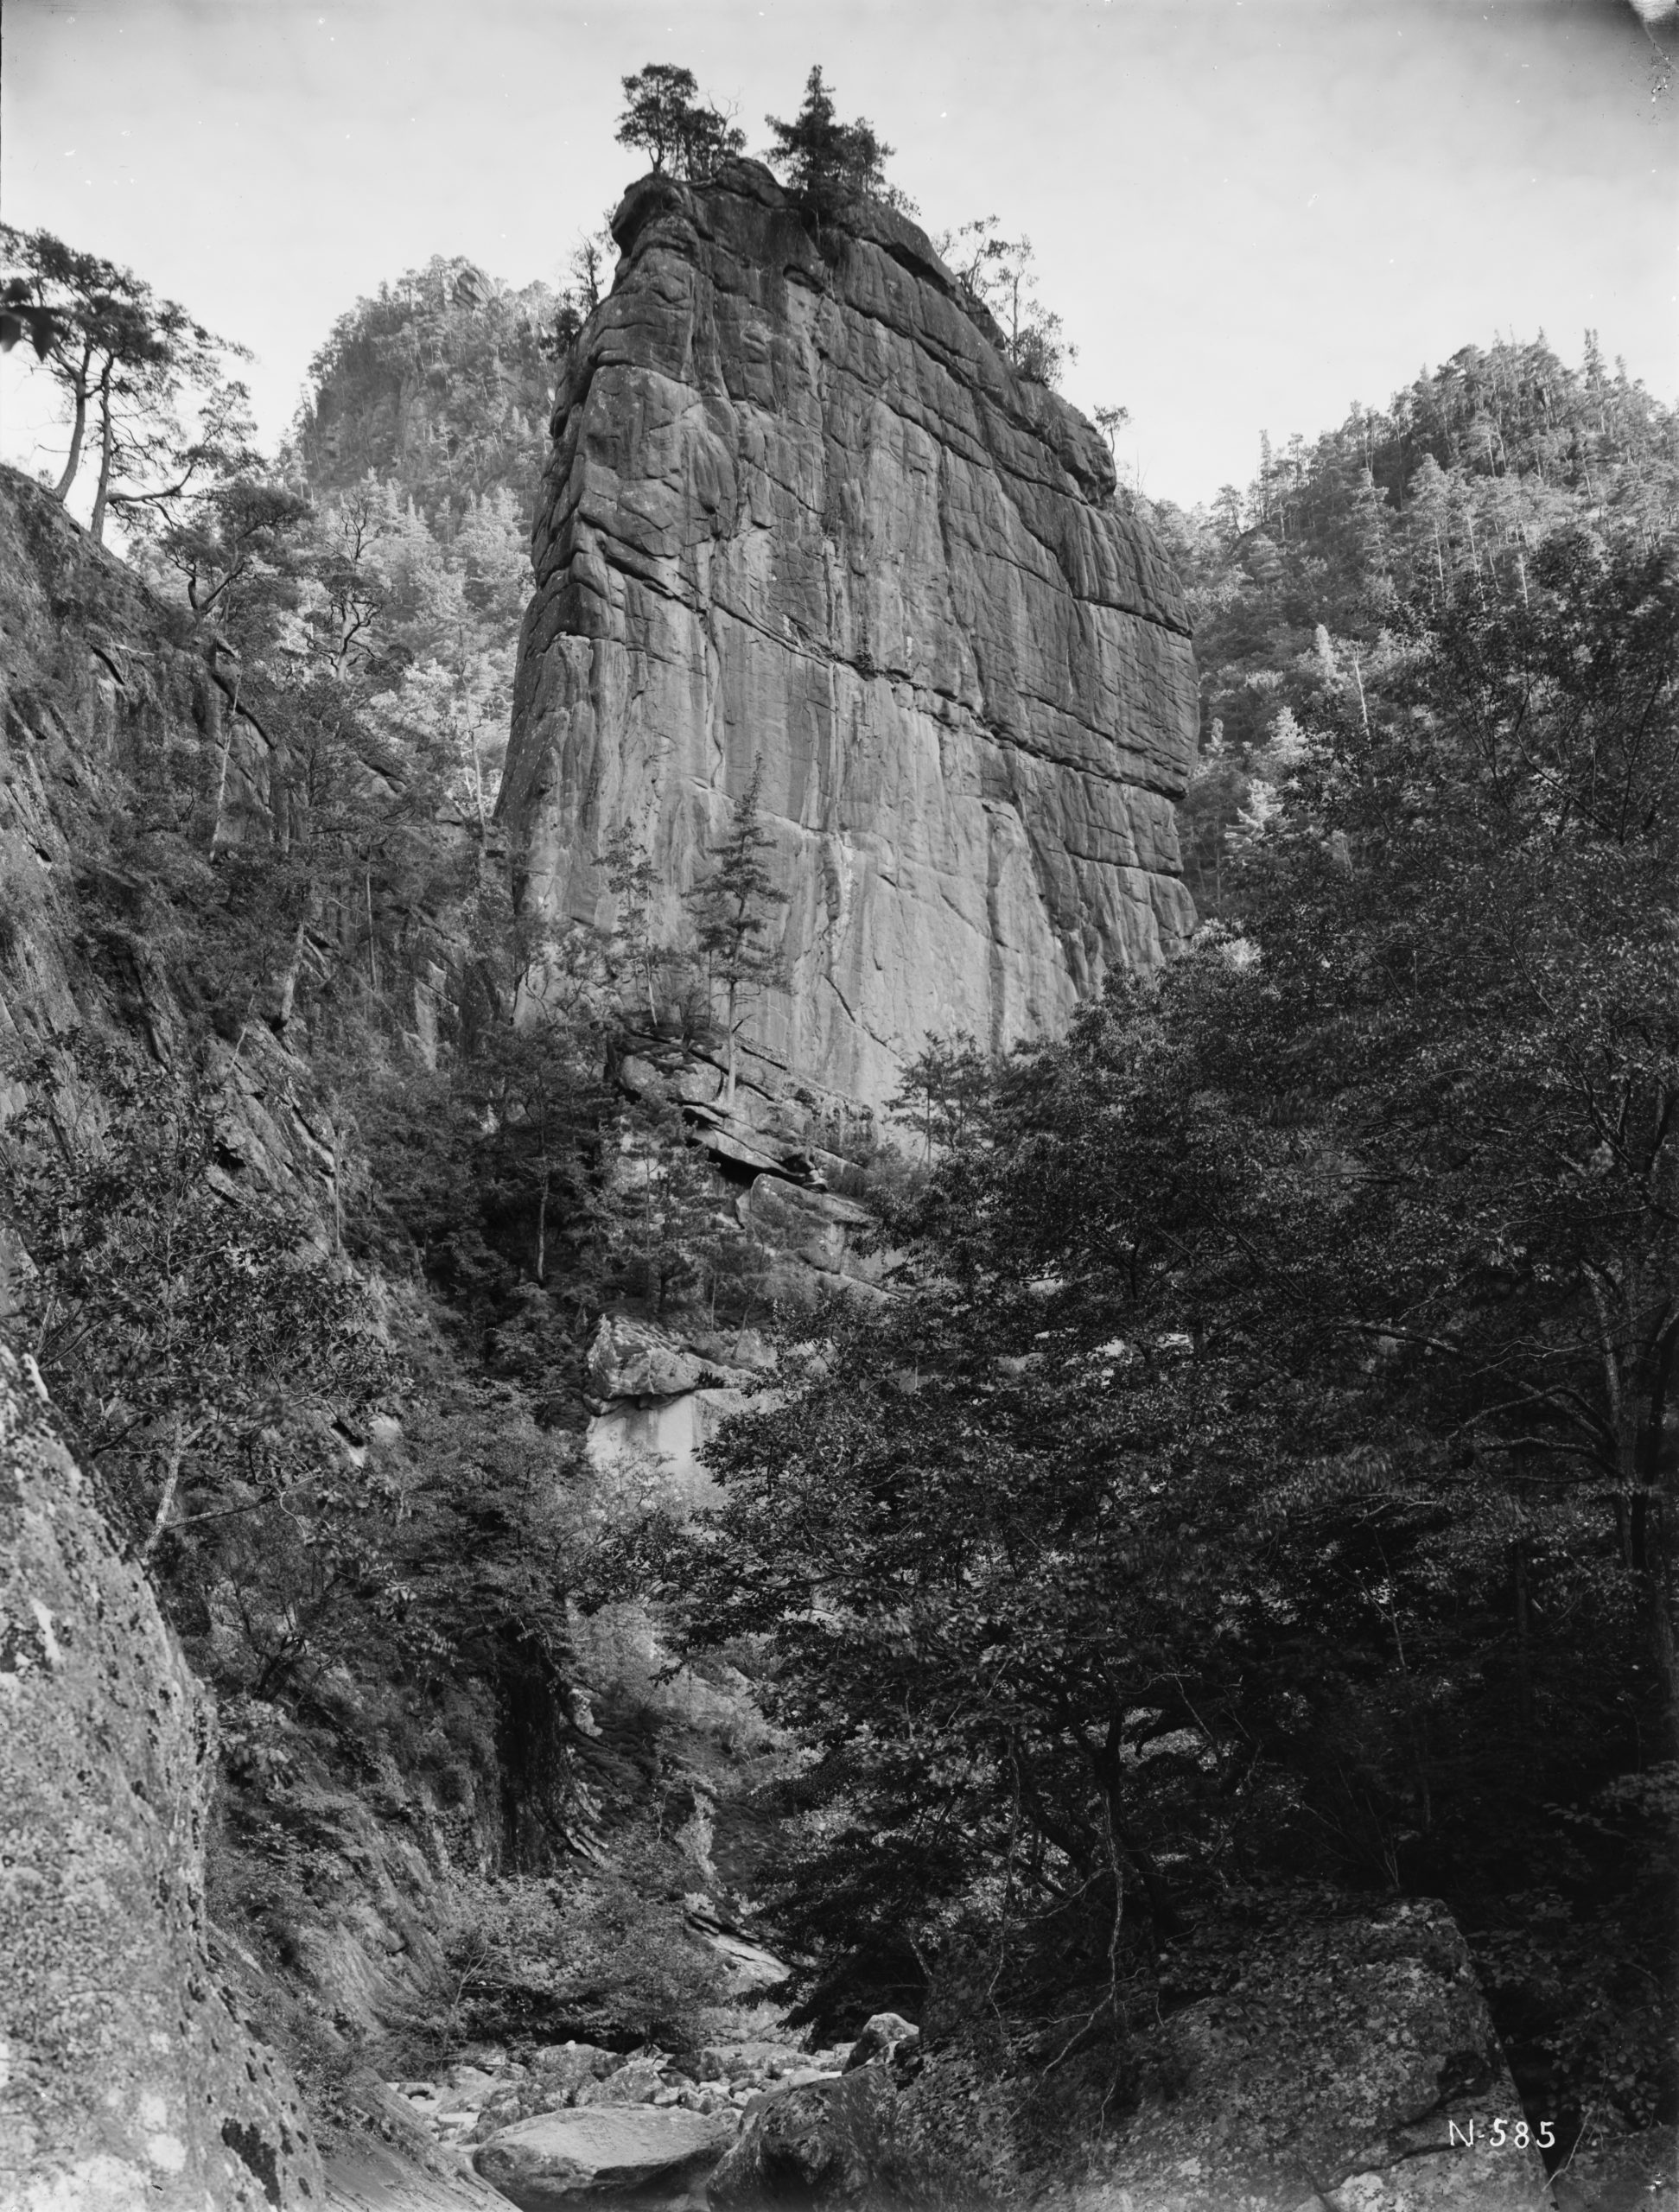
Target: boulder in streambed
(625,2154)
(1345,2065)
(884,2035)
(826,2144)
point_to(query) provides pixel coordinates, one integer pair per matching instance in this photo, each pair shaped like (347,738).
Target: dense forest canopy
(1259,1492)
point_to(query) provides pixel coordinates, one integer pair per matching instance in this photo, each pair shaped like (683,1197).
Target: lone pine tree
(731,906)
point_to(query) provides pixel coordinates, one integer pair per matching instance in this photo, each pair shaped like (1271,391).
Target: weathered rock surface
(629,1359)
(802,509)
(825,2144)
(884,2035)
(884,2137)
(125,2080)
(566,2158)
(1344,2069)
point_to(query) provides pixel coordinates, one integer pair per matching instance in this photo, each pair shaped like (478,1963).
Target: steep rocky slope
(95,674)
(799,508)
(125,2078)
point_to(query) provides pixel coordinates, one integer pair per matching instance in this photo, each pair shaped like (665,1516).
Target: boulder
(636,2083)
(817,2145)
(1346,2066)
(566,2160)
(800,505)
(883,2036)
(560,2068)
(125,2078)
(638,1359)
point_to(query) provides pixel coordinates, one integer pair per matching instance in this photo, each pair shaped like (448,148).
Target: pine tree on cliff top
(731,907)
(829,165)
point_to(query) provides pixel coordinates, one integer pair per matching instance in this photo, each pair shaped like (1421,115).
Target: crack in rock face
(801,510)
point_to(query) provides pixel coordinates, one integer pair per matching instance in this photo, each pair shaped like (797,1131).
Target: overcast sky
(1249,212)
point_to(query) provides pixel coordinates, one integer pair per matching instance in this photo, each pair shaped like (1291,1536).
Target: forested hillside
(1266,1482)
(1245,1494)
(1306,577)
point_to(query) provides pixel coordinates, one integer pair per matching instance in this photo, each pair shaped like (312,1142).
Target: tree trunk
(178,1443)
(1105,1762)
(107,447)
(77,429)
(338,1187)
(226,748)
(1657,1575)
(288,980)
(477,782)
(1523,1655)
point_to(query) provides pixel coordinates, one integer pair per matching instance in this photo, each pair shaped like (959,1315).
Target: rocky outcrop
(1349,2066)
(800,509)
(125,2079)
(575,2159)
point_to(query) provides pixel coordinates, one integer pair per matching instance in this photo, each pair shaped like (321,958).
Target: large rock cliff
(799,507)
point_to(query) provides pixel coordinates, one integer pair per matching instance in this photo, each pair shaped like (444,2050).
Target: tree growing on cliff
(945,1090)
(189,1334)
(665,118)
(831,165)
(1001,274)
(731,905)
(167,416)
(633,882)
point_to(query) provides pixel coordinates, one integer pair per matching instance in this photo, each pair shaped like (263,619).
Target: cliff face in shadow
(800,509)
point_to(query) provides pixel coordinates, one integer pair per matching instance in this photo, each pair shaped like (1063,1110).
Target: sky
(1250,214)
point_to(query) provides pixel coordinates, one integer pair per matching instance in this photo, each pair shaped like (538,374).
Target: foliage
(633,882)
(829,165)
(663,117)
(440,386)
(998,275)
(1265,1478)
(945,1091)
(1450,491)
(604,1951)
(731,904)
(205,1356)
(139,361)
(21,315)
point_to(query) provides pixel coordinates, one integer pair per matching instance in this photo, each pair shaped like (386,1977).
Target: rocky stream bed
(562,2127)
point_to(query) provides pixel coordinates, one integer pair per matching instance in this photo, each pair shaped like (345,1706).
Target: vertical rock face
(800,509)
(125,2080)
